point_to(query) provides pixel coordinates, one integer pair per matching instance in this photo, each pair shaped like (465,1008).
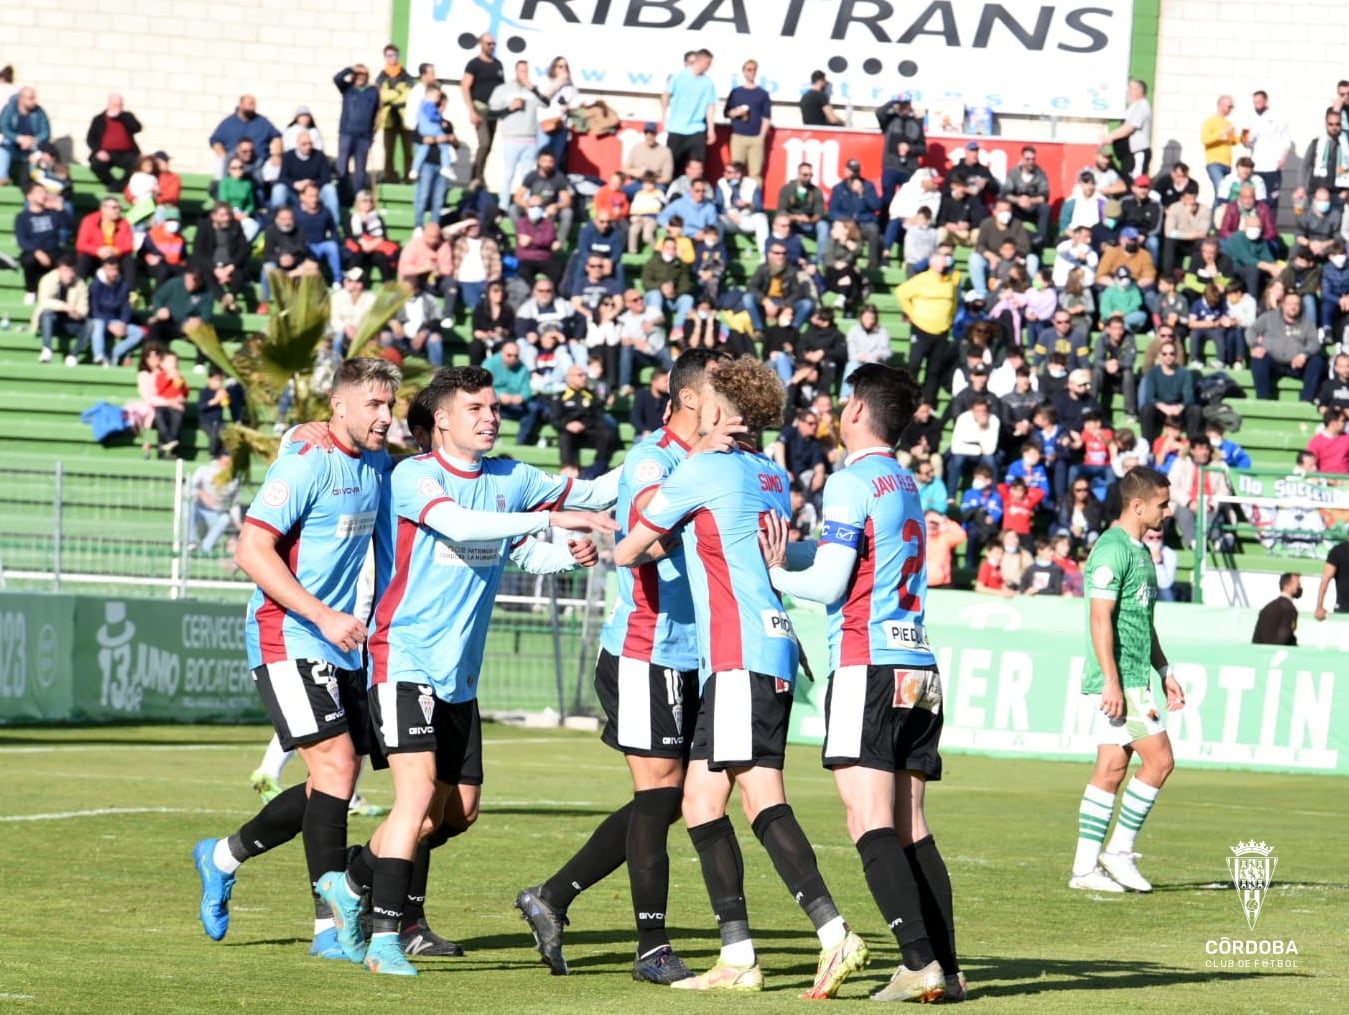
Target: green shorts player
(1121,587)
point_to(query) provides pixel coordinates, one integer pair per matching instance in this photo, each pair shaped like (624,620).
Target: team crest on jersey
(501,503)
(333,692)
(648,471)
(430,488)
(275,493)
(426,702)
(1102,577)
(1143,594)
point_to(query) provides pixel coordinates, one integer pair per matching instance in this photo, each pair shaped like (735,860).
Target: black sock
(414,908)
(893,887)
(934,890)
(724,875)
(325,834)
(389,894)
(279,821)
(603,853)
(653,811)
(360,869)
(789,849)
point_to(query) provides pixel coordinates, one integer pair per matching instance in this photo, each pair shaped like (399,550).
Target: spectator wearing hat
(24,127)
(303,120)
(750,110)
(112,143)
(1113,366)
(164,250)
(356,129)
(347,308)
(1142,209)
(1131,254)
(855,198)
(903,145)
(245,123)
(650,156)
(1108,181)
(1122,298)
(959,215)
(977,177)
(815,108)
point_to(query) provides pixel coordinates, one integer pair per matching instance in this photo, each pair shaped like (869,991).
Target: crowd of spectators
(1071,347)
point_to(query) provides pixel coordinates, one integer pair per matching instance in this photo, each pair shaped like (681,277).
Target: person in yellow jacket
(1218,136)
(930,300)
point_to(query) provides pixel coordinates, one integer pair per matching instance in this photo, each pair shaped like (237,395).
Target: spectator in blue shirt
(356,129)
(750,111)
(689,108)
(1030,468)
(24,128)
(856,198)
(243,123)
(1230,453)
(980,513)
(697,208)
(315,224)
(37,232)
(932,492)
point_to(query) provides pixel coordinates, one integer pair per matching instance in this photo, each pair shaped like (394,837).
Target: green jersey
(1120,569)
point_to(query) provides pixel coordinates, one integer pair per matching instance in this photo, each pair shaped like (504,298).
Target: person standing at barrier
(749,658)
(1277,622)
(1336,570)
(883,712)
(1122,652)
(646,679)
(304,543)
(456,516)
(688,107)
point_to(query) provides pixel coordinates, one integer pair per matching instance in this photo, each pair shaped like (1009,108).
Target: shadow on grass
(1044,975)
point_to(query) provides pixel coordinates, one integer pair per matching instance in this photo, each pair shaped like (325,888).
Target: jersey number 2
(910,600)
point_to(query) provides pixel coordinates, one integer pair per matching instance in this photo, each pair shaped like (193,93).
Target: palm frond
(389,300)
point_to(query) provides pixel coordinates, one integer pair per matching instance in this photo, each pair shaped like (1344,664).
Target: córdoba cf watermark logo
(1252,870)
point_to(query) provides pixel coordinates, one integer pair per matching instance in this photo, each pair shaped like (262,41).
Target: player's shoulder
(653,458)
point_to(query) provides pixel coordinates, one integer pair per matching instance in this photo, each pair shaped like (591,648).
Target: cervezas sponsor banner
(1019,56)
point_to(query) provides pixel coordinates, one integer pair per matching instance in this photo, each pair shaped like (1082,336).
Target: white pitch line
(99,812)
(71,748)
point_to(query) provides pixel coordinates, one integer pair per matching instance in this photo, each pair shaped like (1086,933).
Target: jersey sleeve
(289,490)
(687,489)
(1104,574)
(416,490)
(845,511)
(536,490)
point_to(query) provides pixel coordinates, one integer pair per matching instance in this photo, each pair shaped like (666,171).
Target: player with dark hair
(883,712)
(749,657)
(1122,652)
(457,516)
(646,679)
(304,543)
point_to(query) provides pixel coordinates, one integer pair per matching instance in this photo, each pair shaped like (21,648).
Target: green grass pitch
(99,901)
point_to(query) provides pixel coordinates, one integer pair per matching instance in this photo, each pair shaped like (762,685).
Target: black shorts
(742,721)
(311,700)
(884,717)
(646,707)
(411,720)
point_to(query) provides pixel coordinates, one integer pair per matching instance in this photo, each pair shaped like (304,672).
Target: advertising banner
(161,661)
(1012,673)
(828,151)
(1018,56)
(35,676)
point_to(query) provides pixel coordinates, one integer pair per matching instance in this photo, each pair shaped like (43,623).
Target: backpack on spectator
(1214,387)
(1221,412)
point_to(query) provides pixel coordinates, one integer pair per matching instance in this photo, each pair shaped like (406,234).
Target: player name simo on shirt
(741,622)
(321,505)
(1121,569)
(652,620)
(431,623)
(880,620)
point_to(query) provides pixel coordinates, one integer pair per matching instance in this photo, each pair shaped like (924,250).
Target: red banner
(829,150)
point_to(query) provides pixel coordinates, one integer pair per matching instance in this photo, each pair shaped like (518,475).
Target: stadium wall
(183,66)
(1206,48)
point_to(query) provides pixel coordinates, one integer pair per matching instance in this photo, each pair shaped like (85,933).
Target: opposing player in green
(1122,652)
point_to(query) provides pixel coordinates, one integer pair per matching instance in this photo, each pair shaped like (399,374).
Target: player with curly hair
(748,656)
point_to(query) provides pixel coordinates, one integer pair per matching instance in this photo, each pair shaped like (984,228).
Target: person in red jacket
(164,251)
(170,183)
(1018,507)
(104,234)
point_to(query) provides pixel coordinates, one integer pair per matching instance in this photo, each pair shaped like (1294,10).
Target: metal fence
(115,535)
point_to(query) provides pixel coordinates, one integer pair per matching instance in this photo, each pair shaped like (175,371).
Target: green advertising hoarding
(1012,673)
(84,659)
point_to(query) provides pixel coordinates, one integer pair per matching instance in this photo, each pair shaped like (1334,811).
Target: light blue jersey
(690,95)
(431,621)
(717,502)
(322,506)
(653,618)
(879,621)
